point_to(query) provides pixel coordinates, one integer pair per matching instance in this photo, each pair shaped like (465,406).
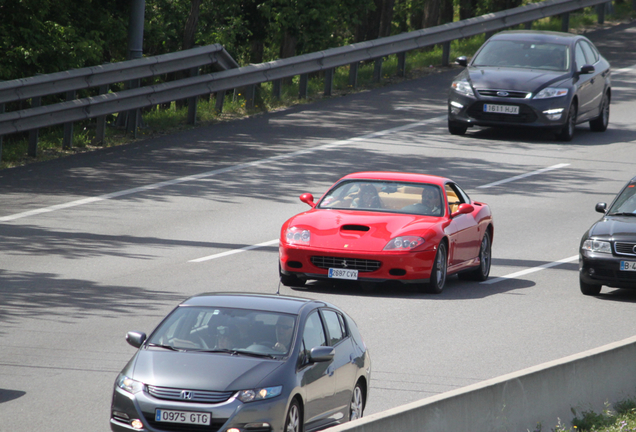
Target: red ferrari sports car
(379,226)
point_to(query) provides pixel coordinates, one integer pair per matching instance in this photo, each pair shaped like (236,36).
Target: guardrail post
(34,133)
(192,101)
(1,137)
(100,129)
(565,22)
(401,64)
(528,25)
(132,116)
(489,34)
(600,12)
(219,98)
(250,96)
(67,141)
(446,53)
(277,87)
(302,86)
(353,74)
(329,73)
(377,69)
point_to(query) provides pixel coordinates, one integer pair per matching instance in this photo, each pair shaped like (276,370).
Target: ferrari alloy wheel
(599,124)
(438,272)
(567,133)
(357,403)
(293,421)
(481,273)
(590,289)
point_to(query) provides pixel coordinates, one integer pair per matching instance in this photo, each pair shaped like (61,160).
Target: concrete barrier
(520,401)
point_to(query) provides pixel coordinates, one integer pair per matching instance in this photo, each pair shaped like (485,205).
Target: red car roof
(398,176)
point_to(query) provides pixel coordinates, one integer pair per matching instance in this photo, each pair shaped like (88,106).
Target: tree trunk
(288,49)
(431,13)
(467,9)
(386,18)
(446,12)
(191,25)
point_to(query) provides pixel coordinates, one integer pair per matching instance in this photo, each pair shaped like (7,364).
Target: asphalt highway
(98,244)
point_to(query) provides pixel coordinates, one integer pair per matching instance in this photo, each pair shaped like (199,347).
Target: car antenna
(278,289)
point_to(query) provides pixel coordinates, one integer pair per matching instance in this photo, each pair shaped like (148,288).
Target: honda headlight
(551,92)
(597,246)
(128,384)
(463,87)
(295,235)
(404,243)
(253,395)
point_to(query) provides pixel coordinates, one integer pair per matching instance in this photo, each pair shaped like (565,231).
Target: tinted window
(314,334)
(590,53)
(626,201)
(334,326)
(579,56)
(523,54)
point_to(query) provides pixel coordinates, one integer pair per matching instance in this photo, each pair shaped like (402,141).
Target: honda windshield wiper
(168,347)
(237,352)
(622,214)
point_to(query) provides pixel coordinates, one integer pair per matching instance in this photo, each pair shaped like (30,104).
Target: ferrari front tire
(482,272)
(290,280)
(438,272)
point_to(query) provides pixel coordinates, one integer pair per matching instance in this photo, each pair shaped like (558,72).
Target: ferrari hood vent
(354,228)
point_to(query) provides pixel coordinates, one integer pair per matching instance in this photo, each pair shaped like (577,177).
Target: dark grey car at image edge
(607,253)
(241,362)
(532,79)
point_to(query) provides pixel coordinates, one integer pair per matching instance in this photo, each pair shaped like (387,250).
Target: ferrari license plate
(628,265)
(501,109)
(343,274)
(183,417)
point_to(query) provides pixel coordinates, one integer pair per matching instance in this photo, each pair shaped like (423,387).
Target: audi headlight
(404,243)
(463,87)
(128,384)
(295,235)
(253,395)
(597,246)
(550,92)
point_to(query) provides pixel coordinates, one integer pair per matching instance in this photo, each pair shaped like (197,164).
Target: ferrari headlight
(550,92)
(404,243)
(259,394)
(597,246)
(463,87)
(128,384)
(295,235)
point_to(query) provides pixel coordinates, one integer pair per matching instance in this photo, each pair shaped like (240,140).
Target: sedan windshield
(520,54)
(225,330)
(625,204)
(395,197)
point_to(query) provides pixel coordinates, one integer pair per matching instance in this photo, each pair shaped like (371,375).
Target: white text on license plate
(628,265)
(184,417)
(343,274)
(501,109)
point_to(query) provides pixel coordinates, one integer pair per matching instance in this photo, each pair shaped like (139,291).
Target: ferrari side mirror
(463,209)
(308,198)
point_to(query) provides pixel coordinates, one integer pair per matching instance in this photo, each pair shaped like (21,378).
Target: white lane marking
(541,171)
(235,251)
(218,171)
(624,70)
(530,270)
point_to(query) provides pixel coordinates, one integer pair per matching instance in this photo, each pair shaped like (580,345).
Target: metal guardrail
(375,50)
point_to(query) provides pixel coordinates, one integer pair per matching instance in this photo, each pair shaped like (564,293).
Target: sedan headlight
(259,394)
(404,243)
(597,246)
(295,235)
(463,87)
(550,92)
(128,384)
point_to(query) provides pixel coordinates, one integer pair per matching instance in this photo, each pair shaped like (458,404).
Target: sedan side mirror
(321,354)
(308,198)
(135,338)
(601,207)
(462,61)
(463,209)
(586,69)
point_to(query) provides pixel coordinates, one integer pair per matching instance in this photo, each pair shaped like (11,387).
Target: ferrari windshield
(523,54)
(416,198)
(626,202)
(225,330)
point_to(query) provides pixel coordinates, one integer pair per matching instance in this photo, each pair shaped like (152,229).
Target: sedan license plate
(183,417)
(628,265)
(501,109)
(343,274)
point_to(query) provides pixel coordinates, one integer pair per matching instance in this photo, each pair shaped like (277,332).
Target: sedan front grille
(193,395)
(504,94)
(625,248)
(362,265)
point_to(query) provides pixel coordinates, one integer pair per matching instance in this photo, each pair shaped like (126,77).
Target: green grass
(619,418)
(173,119)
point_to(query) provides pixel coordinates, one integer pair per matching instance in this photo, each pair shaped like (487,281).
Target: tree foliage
(45,36)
